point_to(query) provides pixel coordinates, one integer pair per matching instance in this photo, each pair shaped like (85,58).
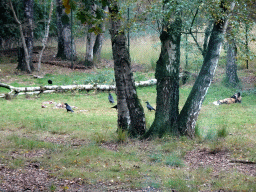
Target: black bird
(50,81)
(149,106)
(110,98)
(68,108)
(115,107)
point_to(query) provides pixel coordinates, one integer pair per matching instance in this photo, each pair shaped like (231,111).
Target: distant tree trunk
(91,37)
(44,41)
(124,81)
(99,41)
(207,34)
(25,63)
(98,45)
(64,33)
(231,66)
(167,75)
(189,113)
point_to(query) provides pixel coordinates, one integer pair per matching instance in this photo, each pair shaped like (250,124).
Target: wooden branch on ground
(56,88)
(242,161)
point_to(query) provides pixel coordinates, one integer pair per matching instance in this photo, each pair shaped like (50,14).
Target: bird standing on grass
(110,98)
(149,106)
(68,108)
(50,81)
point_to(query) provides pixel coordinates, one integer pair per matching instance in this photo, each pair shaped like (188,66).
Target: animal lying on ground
(236,98)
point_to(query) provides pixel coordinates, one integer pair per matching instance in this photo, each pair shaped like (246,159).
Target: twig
(242,161)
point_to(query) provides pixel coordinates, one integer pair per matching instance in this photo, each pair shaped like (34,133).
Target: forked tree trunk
(191,109)
(64,33)
(25,58)
(126,91)
(231,66)
(167,75)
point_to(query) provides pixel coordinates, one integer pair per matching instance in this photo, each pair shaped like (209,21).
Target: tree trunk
(189,114)
(167,75)
(44,41)
(91,37)
(231,66)
(64,33)
(99,41)
(207,34)
(25,63)
(98,45)
(126,91)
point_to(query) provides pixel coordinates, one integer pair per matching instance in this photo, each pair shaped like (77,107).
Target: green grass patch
(87,144)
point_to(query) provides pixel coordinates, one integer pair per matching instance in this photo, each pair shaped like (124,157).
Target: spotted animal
(236,98)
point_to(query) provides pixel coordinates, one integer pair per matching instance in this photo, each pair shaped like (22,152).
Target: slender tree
(25,56)
(189,114)
(44,41)
(231,66)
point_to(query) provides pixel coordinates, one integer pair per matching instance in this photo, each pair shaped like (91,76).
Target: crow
(149,106)
(110,98)
(115,107)
(50,81)
(68,108)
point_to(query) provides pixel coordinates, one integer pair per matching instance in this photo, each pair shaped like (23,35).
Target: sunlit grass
(86,144)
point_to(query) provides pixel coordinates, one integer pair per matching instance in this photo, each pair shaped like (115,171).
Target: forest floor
(32,177)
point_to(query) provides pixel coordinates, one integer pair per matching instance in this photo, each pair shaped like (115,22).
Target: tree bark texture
(44,41)
(231,66)
(98,45)
(25,63)
(91,37)
(167,75)
(64,33)
(126,91)
(189,114)
(99,41)
(90,41)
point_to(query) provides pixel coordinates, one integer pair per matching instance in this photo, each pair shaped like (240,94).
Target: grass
(136,163)
(86,144)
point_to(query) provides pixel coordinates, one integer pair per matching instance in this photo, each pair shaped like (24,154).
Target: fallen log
(59,88)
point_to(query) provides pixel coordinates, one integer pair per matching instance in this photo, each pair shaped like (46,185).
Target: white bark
(56,88)
(45,37)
